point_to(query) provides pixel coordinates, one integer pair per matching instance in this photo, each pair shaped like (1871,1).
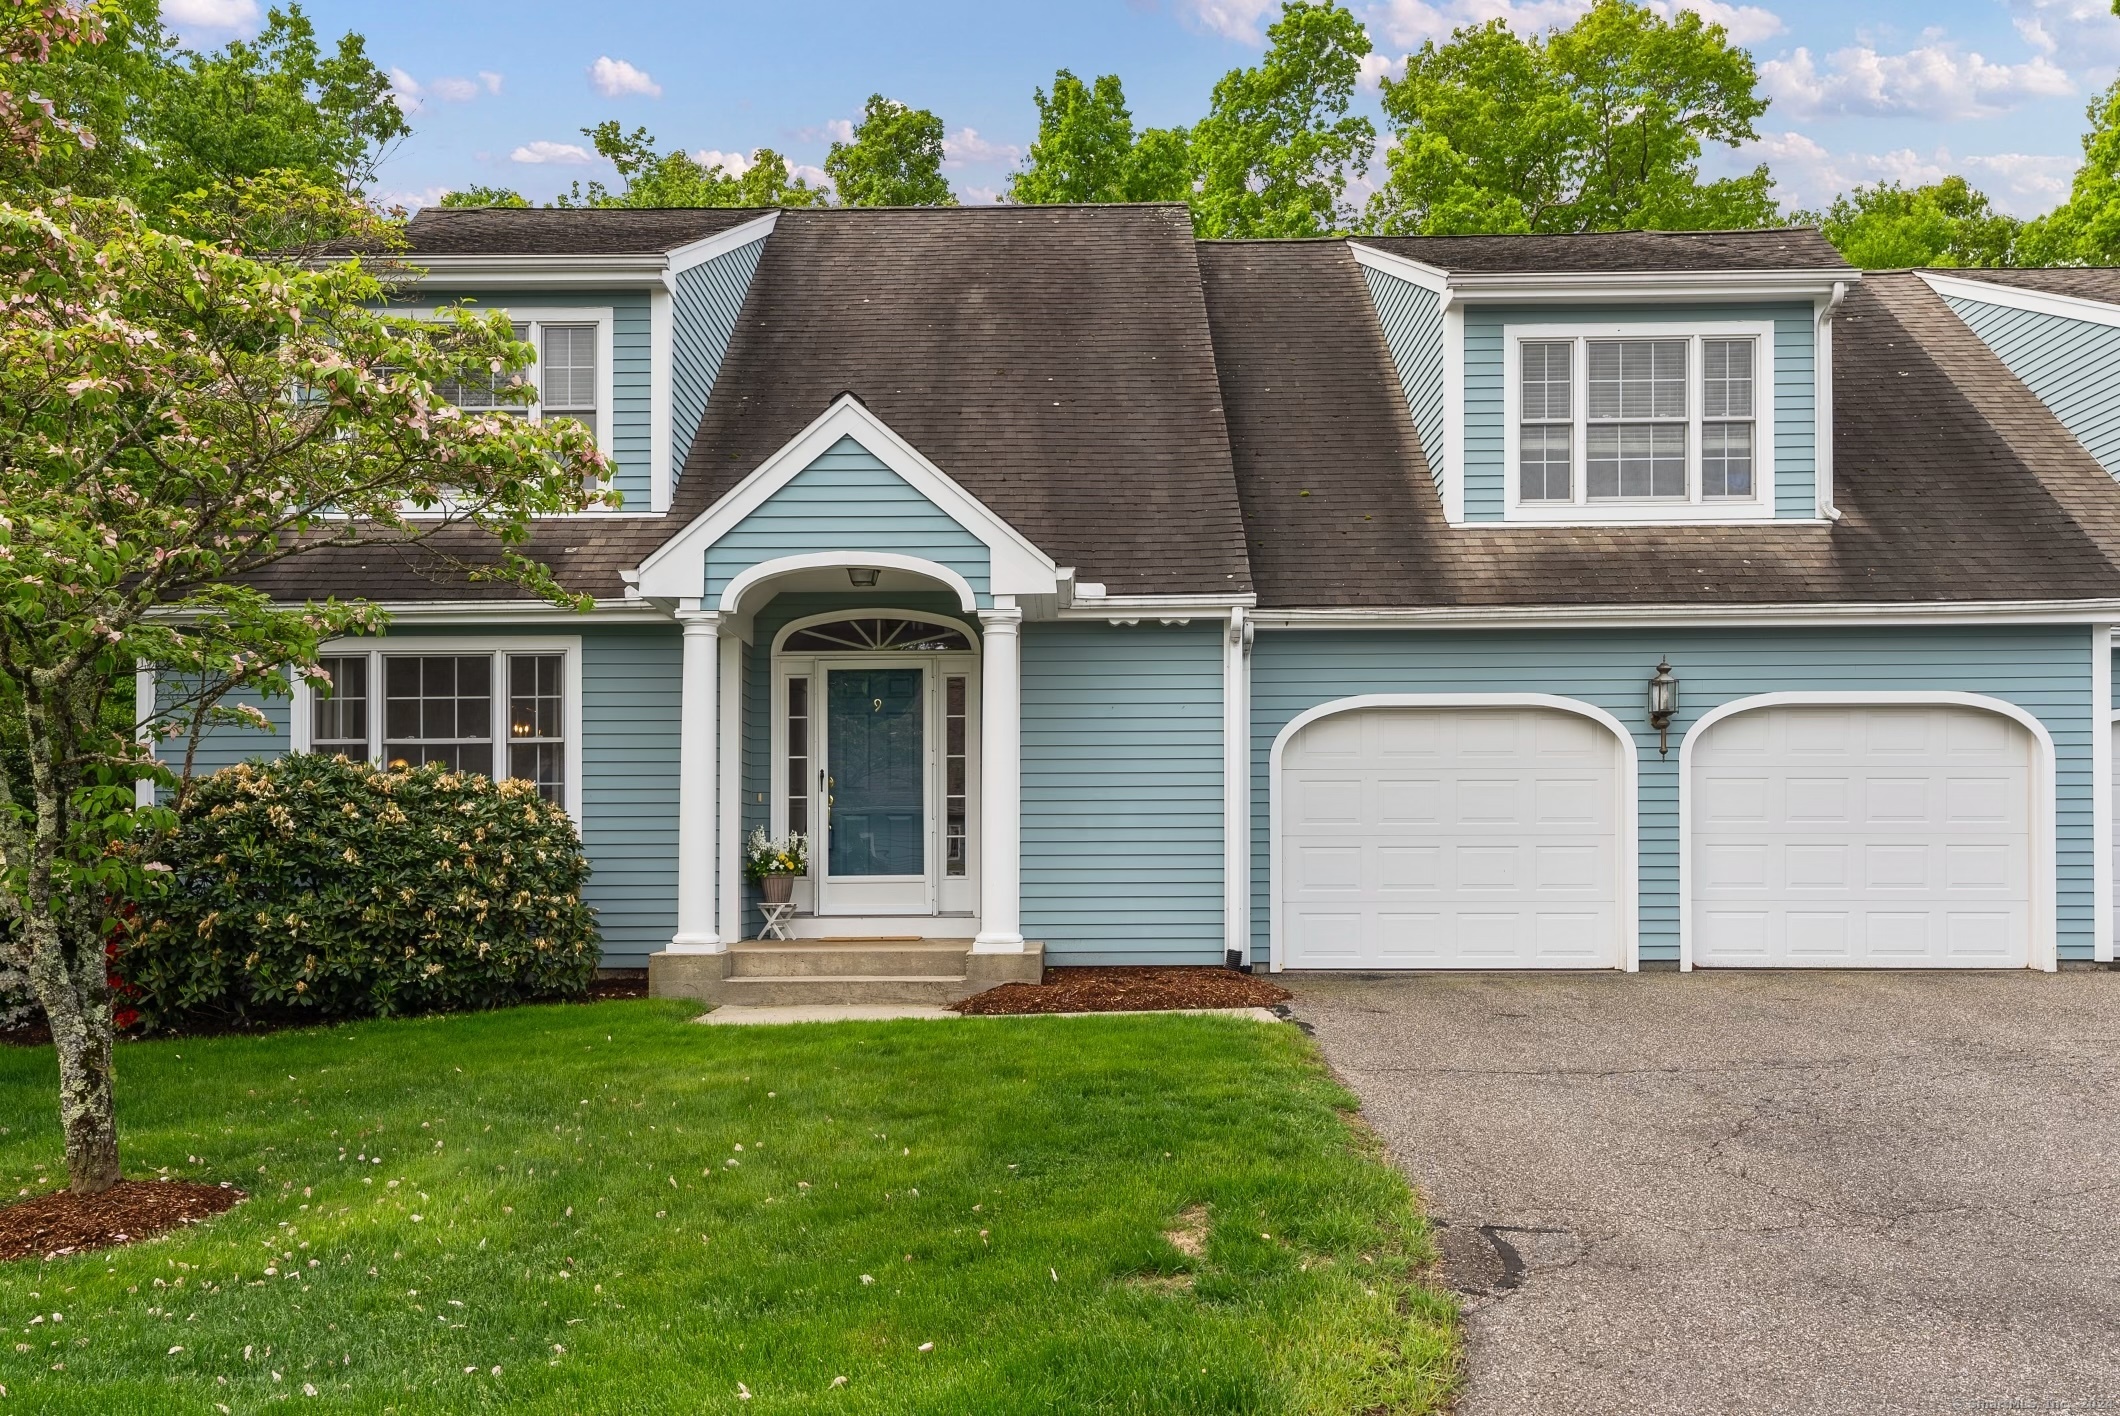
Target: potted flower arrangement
(774,862)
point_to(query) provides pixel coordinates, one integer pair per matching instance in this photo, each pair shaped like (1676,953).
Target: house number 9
(876,704)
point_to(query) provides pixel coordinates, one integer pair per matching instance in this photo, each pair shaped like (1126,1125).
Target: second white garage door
(1431,838)
(1887,837)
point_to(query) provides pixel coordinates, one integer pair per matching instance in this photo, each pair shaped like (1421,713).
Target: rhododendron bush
(316,887)
(175,419)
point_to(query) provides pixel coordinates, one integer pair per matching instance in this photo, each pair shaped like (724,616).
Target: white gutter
(1822,401)
(1720,616)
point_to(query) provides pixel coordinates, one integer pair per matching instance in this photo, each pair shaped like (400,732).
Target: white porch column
(730,797)
(1000,782)
(697,719)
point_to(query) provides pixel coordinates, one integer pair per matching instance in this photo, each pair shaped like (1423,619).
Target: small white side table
(776,920)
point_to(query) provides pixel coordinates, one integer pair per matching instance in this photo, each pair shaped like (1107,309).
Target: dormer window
(1653,422)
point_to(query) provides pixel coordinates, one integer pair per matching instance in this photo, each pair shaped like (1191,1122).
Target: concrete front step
(850,988)
(803,972)
(940,958)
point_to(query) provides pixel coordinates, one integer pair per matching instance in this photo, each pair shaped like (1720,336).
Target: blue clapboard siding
(225,744)
(708,299)
(2043,669)
(2072,366)
(771,618)
(1122,792)
(847,500)
(1412,322)
(632,421)
(1795,422)
(632,689)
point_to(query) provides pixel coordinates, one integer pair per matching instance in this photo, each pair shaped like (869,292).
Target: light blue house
(1092,594)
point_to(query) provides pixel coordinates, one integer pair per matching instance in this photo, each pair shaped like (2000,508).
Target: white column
(733,923)
(1000,783)
(2102,882)
(695,787)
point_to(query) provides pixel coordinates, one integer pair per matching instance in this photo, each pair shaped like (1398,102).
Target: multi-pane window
(956,848)
(1546,451)
(339,723)
(537,729)
(798,730)
(566,372)
(438,708)
(1647,419)
(1726,418)
(493,392)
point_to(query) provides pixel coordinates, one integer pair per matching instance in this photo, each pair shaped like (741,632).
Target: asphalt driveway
(1761,1193)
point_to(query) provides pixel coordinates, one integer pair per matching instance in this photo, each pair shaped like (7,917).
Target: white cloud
(733,163)
(186,16)
(2078,34)
(1408,24)
(1808,174)
(410,94)
(541,151)
(1935,81)
(1231,19)
(615,78)
(455,90)
(815,176)
(978,196)
(491,80)
(413,201)
(1378,67)
(965,145)
(1745,24)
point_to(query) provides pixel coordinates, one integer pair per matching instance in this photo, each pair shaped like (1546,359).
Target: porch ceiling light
(1663,704)
(863,576)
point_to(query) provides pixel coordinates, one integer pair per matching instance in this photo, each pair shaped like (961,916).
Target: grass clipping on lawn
(602,1208)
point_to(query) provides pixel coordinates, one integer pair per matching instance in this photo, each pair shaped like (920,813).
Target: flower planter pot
(779,889)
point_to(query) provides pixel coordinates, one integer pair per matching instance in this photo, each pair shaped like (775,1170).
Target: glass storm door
(876,818)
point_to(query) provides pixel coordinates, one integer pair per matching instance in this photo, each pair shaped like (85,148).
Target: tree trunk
(73,985)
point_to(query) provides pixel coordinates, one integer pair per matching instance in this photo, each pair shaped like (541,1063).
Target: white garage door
(1429,838)
(1866,837)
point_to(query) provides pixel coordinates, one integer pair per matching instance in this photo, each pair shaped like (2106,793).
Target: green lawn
(608,1208)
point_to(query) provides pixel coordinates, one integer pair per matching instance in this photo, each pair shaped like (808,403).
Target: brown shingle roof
(1954,483)
(2084,282)
(550,231)
(1616,252)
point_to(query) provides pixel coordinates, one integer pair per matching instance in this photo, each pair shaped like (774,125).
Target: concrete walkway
(1758,1193)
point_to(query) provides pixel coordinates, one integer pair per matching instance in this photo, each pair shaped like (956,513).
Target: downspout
(1822,400)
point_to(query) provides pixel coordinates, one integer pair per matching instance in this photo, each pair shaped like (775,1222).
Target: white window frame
(1694,509)
(604,317)
(569,647)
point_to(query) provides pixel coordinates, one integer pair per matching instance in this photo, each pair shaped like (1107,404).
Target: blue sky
(498,90)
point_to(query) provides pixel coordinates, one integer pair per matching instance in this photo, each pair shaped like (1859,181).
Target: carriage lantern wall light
(1663,704)
(862,575)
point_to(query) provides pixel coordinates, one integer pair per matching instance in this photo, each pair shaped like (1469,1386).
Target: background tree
(1087,151)
(175,416)
(2085,229)
(1596,127)
(483,196)
(894,158)
(1947,223)
(655,179)
(1273,154)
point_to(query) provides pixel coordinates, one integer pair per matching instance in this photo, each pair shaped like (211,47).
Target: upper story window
(564,376)
(1657,422)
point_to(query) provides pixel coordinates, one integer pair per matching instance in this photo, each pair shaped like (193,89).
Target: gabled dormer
(630,311)
(1624,378)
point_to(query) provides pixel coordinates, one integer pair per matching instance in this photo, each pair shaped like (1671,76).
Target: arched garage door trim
(2044,944)
(1629,794)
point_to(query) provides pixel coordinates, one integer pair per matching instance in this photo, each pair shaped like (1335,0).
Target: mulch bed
(1127,990)
(65,1223)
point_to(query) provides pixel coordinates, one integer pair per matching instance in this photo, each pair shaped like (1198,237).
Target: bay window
(1649,422)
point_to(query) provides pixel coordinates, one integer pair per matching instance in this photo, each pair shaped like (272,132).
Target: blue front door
(874,728)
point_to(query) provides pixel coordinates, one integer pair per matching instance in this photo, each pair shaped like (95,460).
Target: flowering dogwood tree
(175,418)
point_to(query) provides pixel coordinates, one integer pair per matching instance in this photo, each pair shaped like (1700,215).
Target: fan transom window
(873,635)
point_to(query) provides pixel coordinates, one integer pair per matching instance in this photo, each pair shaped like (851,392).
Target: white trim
(604,317)
(1405,268)
(2016,297)
(1236,786)
(1693,508)
(143,714)
(1629,788)
(2045,939)
(1721,616)
(301,714)
(1453,462)
(1001,782)
(708,248)
(1094,607)
(2103,884)
(662,358)
(1654,286)
(697,898)
(1822,401)
(488,612)
(677,568)
(880,610)
(527,272)
(741,584)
